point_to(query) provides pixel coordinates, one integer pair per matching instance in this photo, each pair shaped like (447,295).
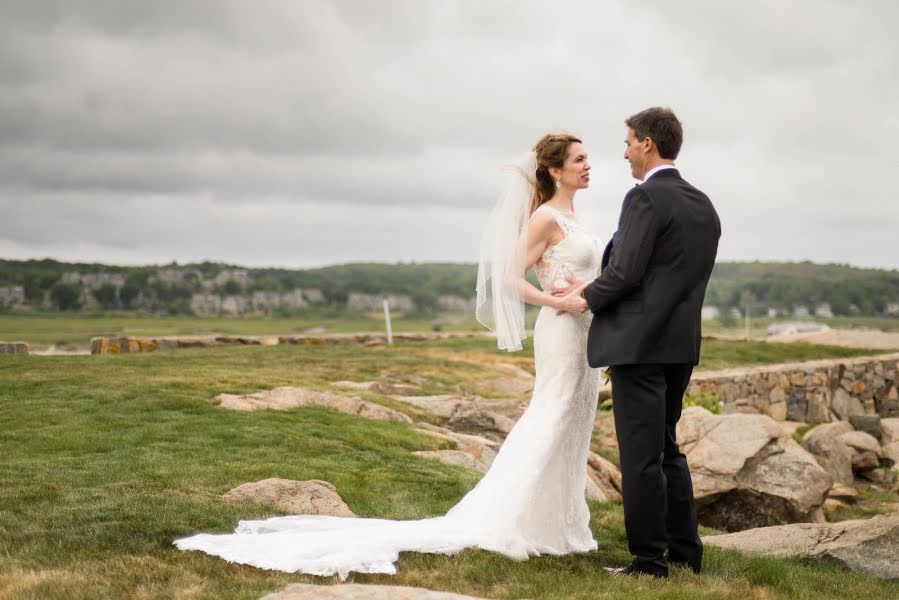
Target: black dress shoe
(635,570)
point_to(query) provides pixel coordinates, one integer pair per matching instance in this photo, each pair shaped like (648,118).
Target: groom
(646,326)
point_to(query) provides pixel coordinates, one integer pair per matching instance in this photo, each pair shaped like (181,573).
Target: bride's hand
(571,300)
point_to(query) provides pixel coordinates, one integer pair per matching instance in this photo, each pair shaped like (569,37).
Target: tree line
(169,288)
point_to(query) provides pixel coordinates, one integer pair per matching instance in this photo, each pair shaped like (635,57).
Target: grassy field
(76,330)
(107,459)
(69,330)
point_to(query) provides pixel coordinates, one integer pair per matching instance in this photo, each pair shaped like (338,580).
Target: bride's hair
(551,151)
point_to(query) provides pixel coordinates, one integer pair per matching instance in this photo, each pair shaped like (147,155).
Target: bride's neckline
(569,215)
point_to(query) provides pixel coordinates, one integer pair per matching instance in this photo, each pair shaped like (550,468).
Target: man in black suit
(646,326)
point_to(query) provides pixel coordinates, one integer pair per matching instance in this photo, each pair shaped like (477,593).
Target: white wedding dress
(530,502)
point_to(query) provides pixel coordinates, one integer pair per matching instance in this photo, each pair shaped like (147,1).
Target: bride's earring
(559,182)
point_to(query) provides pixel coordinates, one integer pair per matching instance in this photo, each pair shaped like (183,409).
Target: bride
(531,501)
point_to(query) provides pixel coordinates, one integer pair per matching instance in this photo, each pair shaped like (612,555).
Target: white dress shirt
(655,170)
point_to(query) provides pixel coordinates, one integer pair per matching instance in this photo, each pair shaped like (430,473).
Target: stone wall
(812,392)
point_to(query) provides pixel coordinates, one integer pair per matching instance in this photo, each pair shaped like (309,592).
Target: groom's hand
(571,299)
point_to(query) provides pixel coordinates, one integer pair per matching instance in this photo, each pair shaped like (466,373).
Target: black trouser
(659,511)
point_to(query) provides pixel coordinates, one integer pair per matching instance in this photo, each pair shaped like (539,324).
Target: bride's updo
(551,151)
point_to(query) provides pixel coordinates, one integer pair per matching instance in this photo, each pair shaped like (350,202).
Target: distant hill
(848,290)
(211,287)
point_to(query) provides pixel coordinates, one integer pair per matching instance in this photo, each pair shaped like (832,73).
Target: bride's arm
(540,228)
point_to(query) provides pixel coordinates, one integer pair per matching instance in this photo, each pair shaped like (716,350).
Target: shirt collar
(655,170)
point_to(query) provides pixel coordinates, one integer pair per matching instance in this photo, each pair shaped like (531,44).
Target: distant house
(710,312)
(735,313)
(824,311)
(892,309)
(451,303)
(774,312)
(12,295)
(375,302)
(314,296)
(92,281)
(801,311)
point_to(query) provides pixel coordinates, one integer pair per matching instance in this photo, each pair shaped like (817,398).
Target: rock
(865,461)
(378,387)
(863,546)
(877,475)
(517,382)
(891,452)
(890,429)
(605,476)
(311,497)
(480,422)
(393,389)
(356,591)
(14,348)
(846,406)
(777,411)
(362,386)
(286,398)
(604,432)
(442,406)
(480,450)
(833,455)
(797,406)
(818,410)
(456,458)
(748,473)
(869,424)
(860,442)
(592,491)
(844,493)
(605,392)
(832,505)
(789,427)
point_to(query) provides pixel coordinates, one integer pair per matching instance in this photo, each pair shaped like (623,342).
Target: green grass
(107,459)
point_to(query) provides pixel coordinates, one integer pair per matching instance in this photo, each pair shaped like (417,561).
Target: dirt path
(849,338)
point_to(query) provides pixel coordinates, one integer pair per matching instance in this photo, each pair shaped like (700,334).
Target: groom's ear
(649,145)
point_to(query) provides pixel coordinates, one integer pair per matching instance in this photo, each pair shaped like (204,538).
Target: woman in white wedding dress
(531,501)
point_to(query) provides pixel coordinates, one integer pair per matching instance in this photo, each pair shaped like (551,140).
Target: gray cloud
(312,132)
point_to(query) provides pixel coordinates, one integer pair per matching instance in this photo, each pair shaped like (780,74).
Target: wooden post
(387,322)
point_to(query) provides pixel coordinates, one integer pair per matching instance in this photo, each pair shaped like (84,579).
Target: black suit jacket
(647,301)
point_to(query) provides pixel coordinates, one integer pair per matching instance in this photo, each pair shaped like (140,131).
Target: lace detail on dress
(576,254)
(530,502)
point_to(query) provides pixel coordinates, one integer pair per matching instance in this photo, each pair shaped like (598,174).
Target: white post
(747,320)
(387,321)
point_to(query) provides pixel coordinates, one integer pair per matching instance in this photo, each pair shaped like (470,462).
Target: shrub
(66,296)
(708,401)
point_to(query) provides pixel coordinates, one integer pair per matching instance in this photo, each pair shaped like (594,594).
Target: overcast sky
(301,133)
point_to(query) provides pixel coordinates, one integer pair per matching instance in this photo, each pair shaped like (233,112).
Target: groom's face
(635,153)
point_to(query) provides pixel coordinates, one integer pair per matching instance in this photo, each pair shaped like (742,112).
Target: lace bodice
(577,254)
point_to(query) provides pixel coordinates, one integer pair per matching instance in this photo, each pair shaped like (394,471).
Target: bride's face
(575,172)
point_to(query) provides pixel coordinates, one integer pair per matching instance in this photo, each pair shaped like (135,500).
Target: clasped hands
(569,298)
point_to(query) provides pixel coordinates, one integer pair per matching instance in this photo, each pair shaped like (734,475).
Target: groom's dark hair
(661,126)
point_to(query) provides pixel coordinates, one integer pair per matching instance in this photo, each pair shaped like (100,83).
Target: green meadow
(107,459)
